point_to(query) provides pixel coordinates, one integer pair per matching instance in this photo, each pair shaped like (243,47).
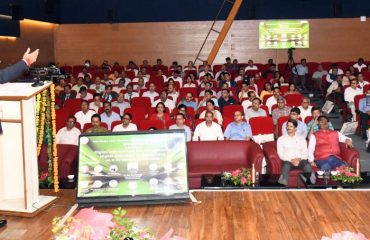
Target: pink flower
(99,222)
(243,180)
(43,176)
(348,174)
(249,177)
(235,173)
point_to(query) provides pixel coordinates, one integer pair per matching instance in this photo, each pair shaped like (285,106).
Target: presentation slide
(283,34)
(133,165)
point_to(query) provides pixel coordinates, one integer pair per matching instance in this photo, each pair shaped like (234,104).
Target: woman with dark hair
(210,105)
(161,114)
(267,89)
(291,90)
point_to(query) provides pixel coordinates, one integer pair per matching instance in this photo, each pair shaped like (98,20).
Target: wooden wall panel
(34,34)
(330,40)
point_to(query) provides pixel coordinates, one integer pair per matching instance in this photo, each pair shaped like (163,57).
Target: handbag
(328,107)
(349,128)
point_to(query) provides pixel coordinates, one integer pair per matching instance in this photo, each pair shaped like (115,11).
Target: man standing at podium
(11,73)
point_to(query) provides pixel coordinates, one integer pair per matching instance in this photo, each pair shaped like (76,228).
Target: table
(323,182)
(266,181)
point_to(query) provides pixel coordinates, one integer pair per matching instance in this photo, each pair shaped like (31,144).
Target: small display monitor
(132,167)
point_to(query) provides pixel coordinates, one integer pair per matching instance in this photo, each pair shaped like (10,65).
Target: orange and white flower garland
(54,131)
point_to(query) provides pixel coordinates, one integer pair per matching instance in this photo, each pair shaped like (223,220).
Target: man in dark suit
(11,73)
(67,94)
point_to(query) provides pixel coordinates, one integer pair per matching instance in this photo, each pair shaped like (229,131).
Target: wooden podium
(19,182)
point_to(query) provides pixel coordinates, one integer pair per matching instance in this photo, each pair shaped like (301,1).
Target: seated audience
(270,71)
(255,110)
(98,86)
(241,77)
(84,72)
(84,116)
(349,97)
(208,96)
(305,108)
(120,86)
(250,66)
(334,92)
(95,122)
(323,147)
(273,99)
(225,99)
(267,90)
(360,65)
(227,79)
(140,76)
(292,89)
(161,114)
(176,77)
(189,83)
(238,130)
(126,124)
(364,107)
(79,84)
(96,103)
(151,93)
(346,79)
(189,101)
(206,71)
(69,134)
(60,86)
(124,78)
(243,92)
(335,66)
(312,125)
(167,102)
(207,86)
(301,128)
(318,74)
(208,130)
(171,91)
(292,150)
(361,82)
(248,102)
(180,124)
(121,104)
(211,108)
(84,94)
(109,116)
(130,94)
(66,94)
(108,94)
(181,108)
(281,110)
(190,66)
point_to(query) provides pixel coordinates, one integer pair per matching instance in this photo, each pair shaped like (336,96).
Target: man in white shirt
(180,124)
(79,84)
(250,66)
(248,102)
(255,110)
(84,95)
(121,104)
(318,74)
(176,77)
(130,94)
(292,150)
(171,91)
(69,134)
(97,86)
(139,76)
(126,124)
(208,130)
(207,86)
(167,102)
(359,65)
(151,93)
(96,103)
(208,96)
(108,116)
(273,99)
(84,116)
(205,71)
(124,78)
(361,82)
(301,128)
(305,108)
(335,66)
(120,86)
(349,97)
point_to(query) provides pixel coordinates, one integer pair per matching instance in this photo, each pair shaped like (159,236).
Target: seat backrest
(115,123)
(147,124)
(262,125)
(138,113)
(357,100)
(229,110)
(294,99)
(141,102)
(281,121)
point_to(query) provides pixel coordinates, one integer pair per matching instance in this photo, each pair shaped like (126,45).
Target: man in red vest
(323,147)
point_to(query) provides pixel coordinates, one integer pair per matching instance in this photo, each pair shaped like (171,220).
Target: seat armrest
(349,155)
(272,158)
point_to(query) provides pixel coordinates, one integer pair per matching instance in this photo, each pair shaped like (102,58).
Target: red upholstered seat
(229,110)
(294,99)
(147,124)
(213,157)
(143,102)
(137,113)
(261,125)
(73,105)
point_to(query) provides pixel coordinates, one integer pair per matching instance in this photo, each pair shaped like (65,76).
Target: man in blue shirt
(238,130)
(364,107)
(301,127)
(189,101)
(313,125)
